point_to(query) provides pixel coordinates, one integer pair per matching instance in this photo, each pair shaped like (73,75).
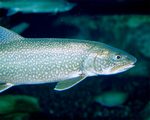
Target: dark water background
(124,24)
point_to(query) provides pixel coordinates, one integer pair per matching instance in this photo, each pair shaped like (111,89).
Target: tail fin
(8,36)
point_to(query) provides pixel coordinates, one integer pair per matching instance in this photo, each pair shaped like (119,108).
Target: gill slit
(83,61)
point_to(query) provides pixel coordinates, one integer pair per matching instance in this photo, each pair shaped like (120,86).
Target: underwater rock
(111,98)
(146,112)
(113,29)
(137,21)
(141,37)
(144,45)
(18,104)
(83,23)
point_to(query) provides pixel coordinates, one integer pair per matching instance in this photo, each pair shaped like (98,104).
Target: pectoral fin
(5,86)
(66,84)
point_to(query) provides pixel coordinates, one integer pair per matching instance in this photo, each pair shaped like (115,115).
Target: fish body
(42,60)
(36,6)
(46,60)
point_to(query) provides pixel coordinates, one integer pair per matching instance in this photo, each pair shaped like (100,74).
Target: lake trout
(48,60)
(36,6)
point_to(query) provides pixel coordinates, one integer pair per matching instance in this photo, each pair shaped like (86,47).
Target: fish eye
(118,57)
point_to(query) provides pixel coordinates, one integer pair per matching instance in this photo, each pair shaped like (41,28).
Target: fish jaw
(121,69)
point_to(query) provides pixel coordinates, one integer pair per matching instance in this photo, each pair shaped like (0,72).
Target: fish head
(109,60)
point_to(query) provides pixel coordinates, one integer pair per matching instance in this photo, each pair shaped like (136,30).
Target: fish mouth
(122,68)
(132,64)
(126,67)
(134,60)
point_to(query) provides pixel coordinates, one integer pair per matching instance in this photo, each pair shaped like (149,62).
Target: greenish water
(122,96)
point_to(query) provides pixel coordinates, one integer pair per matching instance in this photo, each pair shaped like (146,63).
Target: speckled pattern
(41,60)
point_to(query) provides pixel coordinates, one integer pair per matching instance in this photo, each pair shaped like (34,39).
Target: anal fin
(66,84)
(5,86)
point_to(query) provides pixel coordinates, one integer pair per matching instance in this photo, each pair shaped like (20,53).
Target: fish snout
(132,60)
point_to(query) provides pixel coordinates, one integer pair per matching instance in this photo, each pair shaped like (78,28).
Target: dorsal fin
(8,36)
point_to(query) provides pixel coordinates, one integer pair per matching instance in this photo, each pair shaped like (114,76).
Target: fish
(21,27)
(36,6)
(62,60)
